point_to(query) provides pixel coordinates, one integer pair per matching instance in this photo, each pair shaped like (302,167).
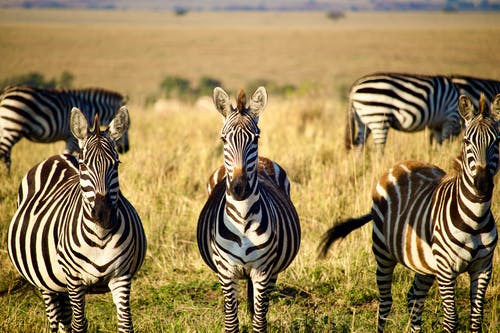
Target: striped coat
(438,225)
(42,115)
(249,228)
(74,230)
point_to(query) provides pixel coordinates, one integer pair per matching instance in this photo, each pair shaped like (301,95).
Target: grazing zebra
(42,115)
(438,225)
(74,231)
(473,87)
(404,102)
(248,228)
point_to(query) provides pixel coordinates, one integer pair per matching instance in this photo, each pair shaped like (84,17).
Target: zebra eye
(466,141)
(223,138)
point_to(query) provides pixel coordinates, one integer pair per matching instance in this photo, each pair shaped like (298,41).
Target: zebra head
(480,149)
(240,135)
(98,164)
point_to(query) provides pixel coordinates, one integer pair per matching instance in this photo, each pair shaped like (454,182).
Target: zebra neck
(244,212)
(97,235)
(472,204)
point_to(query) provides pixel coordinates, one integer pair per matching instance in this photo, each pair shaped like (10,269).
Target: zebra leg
(379,131)
(479,281)
(120,290)
(58,310)
(262,285)
(385,269)
(230,291)
(7,140)
(416,297)
(447,292)
(76,293)
(363,133)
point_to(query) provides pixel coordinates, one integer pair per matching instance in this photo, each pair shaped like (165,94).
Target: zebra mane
(483,107)
(241,102)
(97,126)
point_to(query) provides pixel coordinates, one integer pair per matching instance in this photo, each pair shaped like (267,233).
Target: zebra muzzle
(483,181)
(104,212)
(239,188)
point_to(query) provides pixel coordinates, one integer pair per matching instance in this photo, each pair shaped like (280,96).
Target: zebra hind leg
(385,270)
(416,296)
(58,310)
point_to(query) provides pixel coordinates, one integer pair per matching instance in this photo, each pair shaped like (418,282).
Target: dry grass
(173,152)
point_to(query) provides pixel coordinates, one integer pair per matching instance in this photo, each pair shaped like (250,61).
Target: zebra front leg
(262,285)
(120,290)
(416,296)
(76,291)
(478,283)
(447,292)
(58,310)
(230,290)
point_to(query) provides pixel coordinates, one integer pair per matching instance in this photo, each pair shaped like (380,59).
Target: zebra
(249,228)
(438,225)
(473,87)
(405,102)
(42,115)
(74,231)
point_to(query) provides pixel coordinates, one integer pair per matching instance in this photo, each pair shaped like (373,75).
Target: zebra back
(405,102)
(42,115)
(473,87)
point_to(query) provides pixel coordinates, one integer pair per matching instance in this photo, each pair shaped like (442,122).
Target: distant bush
(38,80)
(271,87)
(180,11)
(177,87)
(335,15)
(206,86)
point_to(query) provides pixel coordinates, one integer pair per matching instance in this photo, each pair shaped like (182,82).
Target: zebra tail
(341,230)
(349,139)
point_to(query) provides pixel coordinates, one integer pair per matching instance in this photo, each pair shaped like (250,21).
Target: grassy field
(132,51)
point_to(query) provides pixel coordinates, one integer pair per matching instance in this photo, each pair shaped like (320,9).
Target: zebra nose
(239,187)
(483,181)
(103,212)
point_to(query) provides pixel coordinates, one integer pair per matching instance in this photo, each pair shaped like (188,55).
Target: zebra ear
(119,124)
(221,101)
(78,124)
(466,108)
(495,108)
(258,101)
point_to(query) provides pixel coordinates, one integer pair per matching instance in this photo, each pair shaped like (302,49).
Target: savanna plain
(174,148)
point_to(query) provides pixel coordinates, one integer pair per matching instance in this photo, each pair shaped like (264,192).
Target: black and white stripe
(404,102)
(42,115)
(74,231)
(248,228)
(473,87)
(438,225)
